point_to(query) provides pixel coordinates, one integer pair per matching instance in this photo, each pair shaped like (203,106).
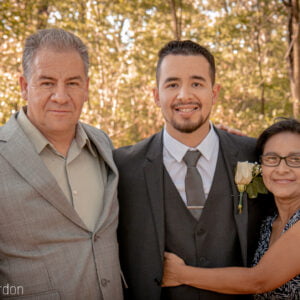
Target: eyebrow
(169,79)
(51,78)
(297,153)
(198,77)
(75,78)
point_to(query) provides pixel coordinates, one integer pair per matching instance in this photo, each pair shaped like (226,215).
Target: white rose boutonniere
(248,179)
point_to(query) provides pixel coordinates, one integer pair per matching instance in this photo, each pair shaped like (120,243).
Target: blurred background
(256,44)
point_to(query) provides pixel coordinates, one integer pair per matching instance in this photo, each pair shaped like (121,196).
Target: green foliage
(248,39)
(256,187)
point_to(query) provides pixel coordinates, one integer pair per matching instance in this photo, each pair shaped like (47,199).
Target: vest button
(200,231)
(202,260)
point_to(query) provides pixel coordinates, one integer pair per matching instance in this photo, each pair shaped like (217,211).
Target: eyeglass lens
(274,160)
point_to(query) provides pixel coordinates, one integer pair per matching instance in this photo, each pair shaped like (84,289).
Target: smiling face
(55,91)
(283,181)
(185,94)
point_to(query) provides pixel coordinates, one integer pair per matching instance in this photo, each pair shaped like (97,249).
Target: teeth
(186,109)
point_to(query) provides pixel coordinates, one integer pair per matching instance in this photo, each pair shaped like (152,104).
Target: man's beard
(188,126)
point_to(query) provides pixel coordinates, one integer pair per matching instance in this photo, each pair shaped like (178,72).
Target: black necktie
(193,184)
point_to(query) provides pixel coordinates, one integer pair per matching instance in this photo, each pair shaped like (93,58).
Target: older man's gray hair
(56,39)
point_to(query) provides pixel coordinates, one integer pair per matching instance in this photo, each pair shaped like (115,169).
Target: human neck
(192,139)
(61,142)
(286,208)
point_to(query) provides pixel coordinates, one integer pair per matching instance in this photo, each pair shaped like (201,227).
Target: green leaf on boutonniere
(261,188)
(256,187)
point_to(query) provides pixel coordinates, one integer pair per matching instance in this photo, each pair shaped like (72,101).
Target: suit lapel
(20,153)
(104,150)
(153,172)
(230,152)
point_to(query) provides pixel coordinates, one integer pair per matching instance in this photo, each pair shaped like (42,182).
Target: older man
(58,182)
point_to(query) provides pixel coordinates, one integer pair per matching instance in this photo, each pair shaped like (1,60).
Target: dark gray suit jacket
(141,222)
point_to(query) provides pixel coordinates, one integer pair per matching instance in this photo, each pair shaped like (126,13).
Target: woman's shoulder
(293,220)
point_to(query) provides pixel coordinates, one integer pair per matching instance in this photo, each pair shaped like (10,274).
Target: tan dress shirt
(81,174)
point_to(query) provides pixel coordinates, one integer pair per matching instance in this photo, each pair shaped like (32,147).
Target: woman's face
(283,181)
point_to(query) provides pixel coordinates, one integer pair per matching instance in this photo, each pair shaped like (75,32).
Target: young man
(166,204)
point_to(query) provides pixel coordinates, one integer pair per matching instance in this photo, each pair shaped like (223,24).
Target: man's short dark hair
(187,48)
(283,125)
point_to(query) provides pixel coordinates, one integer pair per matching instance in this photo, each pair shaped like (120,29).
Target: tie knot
(191,158)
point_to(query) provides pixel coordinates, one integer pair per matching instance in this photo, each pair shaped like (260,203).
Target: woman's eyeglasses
(273,160)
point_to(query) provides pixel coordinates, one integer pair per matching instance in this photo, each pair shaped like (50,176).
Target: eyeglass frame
(280,159)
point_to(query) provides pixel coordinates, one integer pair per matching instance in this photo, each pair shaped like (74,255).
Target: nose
(60,94)
(184,93)
(282,167)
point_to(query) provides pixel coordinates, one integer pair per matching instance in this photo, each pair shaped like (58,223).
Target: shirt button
(74,192)
(104,282)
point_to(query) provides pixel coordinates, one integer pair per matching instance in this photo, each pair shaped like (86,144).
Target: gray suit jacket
(45,248)
(141,200)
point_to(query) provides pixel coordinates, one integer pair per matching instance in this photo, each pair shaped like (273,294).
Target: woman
(275,274)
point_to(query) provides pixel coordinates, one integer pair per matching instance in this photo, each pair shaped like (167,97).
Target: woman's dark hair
(283,125)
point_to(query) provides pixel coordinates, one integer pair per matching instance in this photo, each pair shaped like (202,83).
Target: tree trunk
(260,68)
(176,19)
(43,14)
(296,56)
(294,53)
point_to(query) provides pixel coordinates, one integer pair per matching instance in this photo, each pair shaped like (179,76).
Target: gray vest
(210,242)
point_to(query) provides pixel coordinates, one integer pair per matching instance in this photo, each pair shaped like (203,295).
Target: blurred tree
(293,53)
(248,40)
(247,37)
(17,20)
(177,16)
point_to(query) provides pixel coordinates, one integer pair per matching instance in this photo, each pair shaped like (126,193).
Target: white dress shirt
(174,151)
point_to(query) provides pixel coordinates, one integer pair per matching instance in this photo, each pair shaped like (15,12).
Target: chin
(187,127)
(284,195)
(62,127)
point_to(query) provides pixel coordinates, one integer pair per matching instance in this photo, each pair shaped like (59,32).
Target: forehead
(184,66)
(283,142)
(54,62)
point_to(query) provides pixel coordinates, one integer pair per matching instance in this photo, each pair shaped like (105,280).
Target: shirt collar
(40,142)
(34,135)
(82,139)
(178,150)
